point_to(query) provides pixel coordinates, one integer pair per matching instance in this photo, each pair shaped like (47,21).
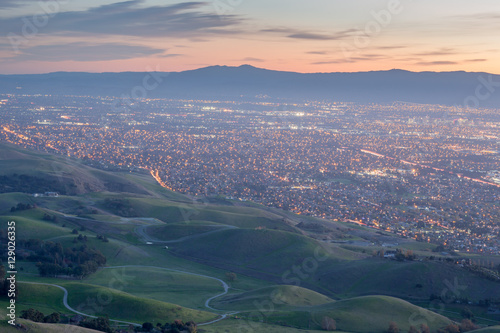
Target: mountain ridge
(246,82)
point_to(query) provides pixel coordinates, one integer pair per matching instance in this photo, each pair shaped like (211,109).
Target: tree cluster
(393,328)
(52,259)
(121,207)
(99,324)
(176,327)
(31,184)
(465,326)
(39,317)
(22,206)
(48,217)
(402,255)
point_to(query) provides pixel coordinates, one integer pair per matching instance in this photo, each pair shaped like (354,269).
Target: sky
(41,36)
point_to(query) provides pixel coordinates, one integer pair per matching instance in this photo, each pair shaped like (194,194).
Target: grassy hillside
(238,325)
(172,287)
(370,314)
(34,228)
(103,301)
(281,296)
(38,172)
(174,212)
(266,252)
(493,329)
(404,279)
(123,306)
(43,328)
(46,299)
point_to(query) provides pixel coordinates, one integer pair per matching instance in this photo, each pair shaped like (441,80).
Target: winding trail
(207,302)
(141,231)
(67,306)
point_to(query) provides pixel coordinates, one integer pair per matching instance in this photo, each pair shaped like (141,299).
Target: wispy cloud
(439,52)
(309,35)
(128,18)
(435,63)
(4,4)
(85,52)
(317,52)
(253,59)
(476,60)
(171,55)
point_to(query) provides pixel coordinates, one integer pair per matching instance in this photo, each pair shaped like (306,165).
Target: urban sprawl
(427,172)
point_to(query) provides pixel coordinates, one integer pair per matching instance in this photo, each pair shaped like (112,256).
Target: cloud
(390,47)
(478,17)
(184,19)
(439,52)
(253,59)
(85,52)
(171,55)
(317,52)
(363,57)
(330,62)
(434,63)
(308,35)
(476,60)
(4,4)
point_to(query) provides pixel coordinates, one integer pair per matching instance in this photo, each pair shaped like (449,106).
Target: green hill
(416,279)
(493,329)
(260,252)
(162,285)
(369,314)
(43,328)
(281,296)
(103,301)
(28,171)
(175,212)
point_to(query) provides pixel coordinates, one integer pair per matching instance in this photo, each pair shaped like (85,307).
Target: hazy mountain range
(248,82)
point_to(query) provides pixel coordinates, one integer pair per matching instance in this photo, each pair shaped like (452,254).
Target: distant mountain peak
(247,66)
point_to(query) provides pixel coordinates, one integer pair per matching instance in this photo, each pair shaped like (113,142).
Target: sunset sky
(293,35)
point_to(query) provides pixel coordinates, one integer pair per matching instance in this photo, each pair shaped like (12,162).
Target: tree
(147,327)
(452,328)
(393,328)
(52,318)
(328,324)
(99,324)
(467,313)
(413,329)
(231,277)
(424,329)
(33,315)
(191,326)
(467,325)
